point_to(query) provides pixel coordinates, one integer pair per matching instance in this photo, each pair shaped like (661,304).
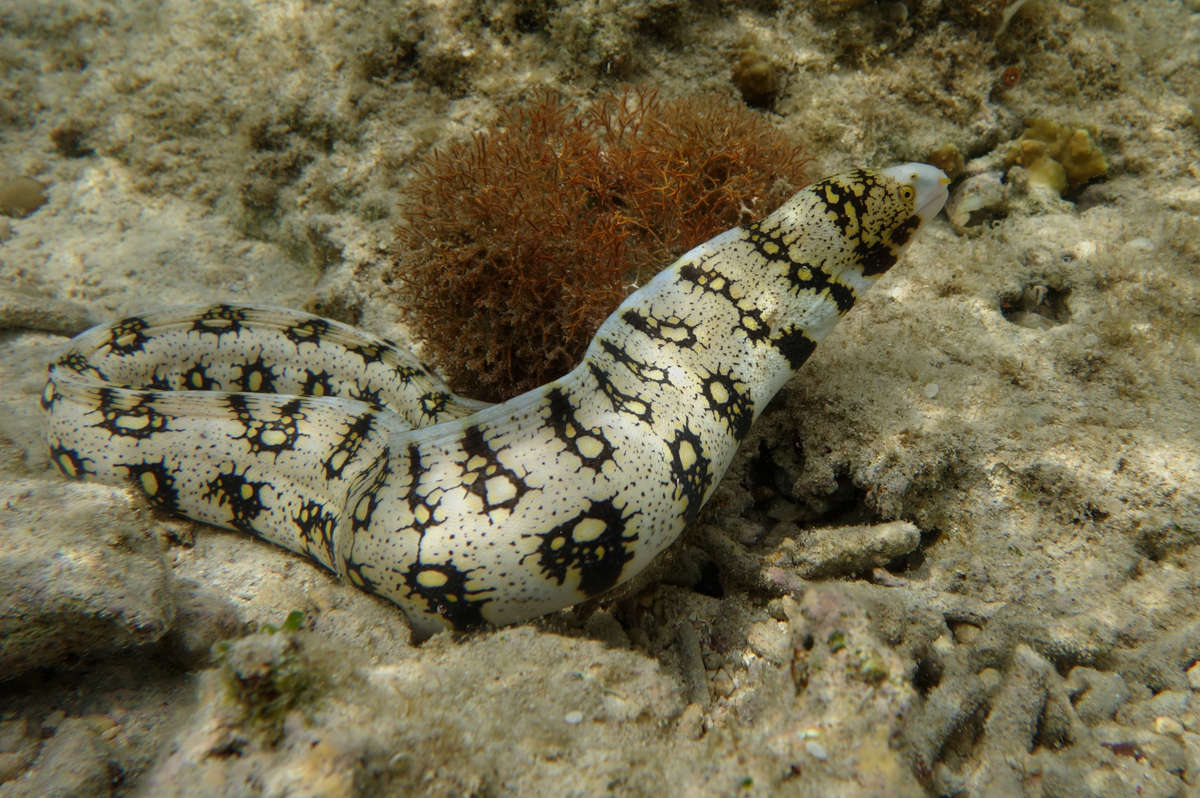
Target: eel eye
(907,192)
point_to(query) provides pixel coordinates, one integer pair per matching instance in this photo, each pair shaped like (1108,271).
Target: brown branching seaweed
(517,243)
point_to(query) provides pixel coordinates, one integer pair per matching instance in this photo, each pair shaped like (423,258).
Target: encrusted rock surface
(957,556)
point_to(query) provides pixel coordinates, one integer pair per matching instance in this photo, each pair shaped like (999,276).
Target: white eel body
(344,448)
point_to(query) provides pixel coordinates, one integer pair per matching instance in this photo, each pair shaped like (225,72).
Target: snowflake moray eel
(344,448)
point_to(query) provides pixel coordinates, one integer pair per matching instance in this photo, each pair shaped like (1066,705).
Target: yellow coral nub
(1057,156)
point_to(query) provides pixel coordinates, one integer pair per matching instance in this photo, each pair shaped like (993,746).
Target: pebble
(573,718)
(21,196)
(1193,675)
(816,750)
(81,574)
(990,677)
(1165,725)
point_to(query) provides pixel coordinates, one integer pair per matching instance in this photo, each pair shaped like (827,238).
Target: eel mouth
(930,205)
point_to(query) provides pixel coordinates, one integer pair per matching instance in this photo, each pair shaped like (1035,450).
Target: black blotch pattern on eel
(344,448)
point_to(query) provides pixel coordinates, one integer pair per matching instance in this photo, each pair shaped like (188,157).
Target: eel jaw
(929,182)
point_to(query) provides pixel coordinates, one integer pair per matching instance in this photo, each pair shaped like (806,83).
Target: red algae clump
(517,243)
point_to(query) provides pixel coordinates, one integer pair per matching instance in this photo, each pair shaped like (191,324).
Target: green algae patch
(266,676)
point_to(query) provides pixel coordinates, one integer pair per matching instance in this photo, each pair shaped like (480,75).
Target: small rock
(1167,703)
(691,722)
(603,625)
(943,645)
(79,574)
(1166,753)
(573,718)
(204,616)
(14,763)
(74,762)
(13,734)
(990,677)
(1170,726)
(17,748)
(744,530)
(29,312)
(21,196)
(1193,675)
(1096,694)
(840,551)
(771,640)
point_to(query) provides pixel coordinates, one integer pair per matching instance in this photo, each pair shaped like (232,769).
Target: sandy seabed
(957,556)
